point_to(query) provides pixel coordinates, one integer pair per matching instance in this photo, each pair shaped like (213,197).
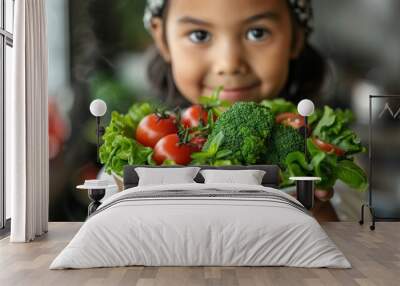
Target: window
(6,45)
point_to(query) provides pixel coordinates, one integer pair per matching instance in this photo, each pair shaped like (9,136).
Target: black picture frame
(369,204)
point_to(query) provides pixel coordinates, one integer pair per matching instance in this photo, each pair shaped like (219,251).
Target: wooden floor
(374,255)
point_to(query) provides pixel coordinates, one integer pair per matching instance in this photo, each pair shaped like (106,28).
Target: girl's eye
(199,36)
(257,34)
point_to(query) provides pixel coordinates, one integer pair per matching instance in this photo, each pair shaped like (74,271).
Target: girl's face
(243,45)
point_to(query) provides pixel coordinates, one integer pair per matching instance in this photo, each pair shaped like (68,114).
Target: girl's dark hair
(160,76)
(306,76)
(305,79)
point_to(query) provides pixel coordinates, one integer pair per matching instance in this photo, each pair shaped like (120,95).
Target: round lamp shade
(305,107)
(98,107)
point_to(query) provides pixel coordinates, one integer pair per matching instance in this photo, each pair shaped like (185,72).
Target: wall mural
(243,113)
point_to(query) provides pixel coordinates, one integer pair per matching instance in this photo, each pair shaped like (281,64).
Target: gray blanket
(201,194)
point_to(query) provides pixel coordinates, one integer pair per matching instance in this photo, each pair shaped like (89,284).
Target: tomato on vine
(155,126)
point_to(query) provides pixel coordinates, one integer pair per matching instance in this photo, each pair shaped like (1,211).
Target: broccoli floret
(284,140)
(246,127)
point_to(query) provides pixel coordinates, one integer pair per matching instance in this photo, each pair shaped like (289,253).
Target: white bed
(224,225)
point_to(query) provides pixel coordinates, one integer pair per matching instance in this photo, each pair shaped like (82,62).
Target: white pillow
(165,176)
(248,177)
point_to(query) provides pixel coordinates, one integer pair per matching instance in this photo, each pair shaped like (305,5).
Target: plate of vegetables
(217,133)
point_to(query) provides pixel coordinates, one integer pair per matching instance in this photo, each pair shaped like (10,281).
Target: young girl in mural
(255,49)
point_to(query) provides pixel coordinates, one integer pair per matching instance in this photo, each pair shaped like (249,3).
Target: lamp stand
(95,195)
(99,132)
(305,136)
(305,193)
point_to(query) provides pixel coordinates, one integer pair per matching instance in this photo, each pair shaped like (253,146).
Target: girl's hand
(323,195)
(323,210)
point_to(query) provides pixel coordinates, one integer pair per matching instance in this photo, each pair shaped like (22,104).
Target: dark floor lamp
(305,185)
(98,108)
(96,188)
(305,109)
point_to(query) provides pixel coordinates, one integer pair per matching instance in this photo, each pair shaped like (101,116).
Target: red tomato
(152,128)
(327,147)
(290,119)
(168,148)
(191,116)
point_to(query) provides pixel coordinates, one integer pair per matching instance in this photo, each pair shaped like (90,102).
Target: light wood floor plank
(374,255)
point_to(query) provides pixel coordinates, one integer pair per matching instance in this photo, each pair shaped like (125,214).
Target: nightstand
(305,190)
(96,191)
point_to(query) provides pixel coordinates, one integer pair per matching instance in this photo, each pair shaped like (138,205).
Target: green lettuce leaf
(119,147)
(333,128)
(279,105)
(352,175)
(212,155)
(327,166)
(323,165)
(297,166)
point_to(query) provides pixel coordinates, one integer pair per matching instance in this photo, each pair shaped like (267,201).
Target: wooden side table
(96,191)
(305,190)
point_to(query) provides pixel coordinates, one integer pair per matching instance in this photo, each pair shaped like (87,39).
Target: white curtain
(27,171)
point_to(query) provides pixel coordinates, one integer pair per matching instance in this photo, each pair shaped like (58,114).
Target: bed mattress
(201,225)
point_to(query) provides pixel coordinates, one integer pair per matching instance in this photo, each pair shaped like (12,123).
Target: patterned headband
(302,10)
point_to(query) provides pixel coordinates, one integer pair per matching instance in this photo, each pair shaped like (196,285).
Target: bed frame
(271,177)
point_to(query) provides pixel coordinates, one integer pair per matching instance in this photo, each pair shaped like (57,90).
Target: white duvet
(203,231)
